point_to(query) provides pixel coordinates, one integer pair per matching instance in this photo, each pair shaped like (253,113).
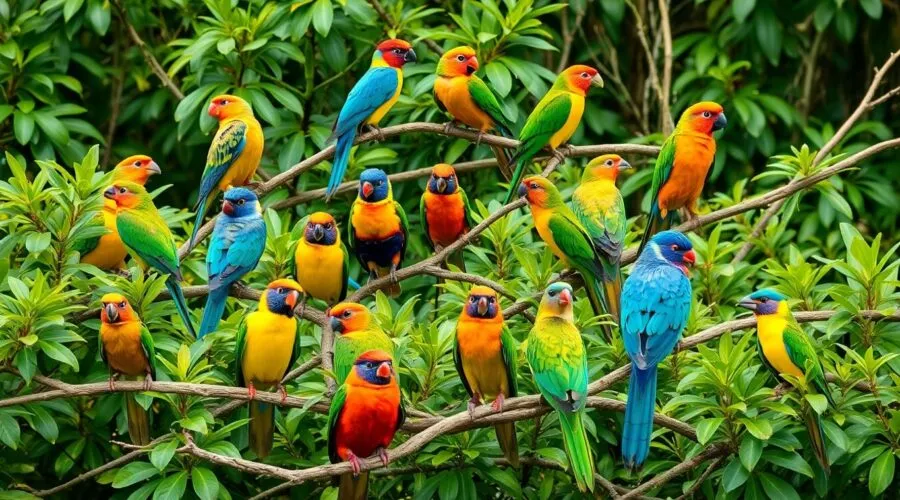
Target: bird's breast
(268,348)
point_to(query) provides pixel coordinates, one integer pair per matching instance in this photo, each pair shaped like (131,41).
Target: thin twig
(390,22)
(713,451)
(665,115)
(703,477)
(148,56)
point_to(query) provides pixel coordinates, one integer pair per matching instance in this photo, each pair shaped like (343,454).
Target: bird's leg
(474,402)
(450,125)
(148,381)
(559,155)
(383,455)
(252,185)
(478,138)
(497,405)
(354,463)
(112,380)
(251,391)
(125,273)
(283,392)
(394,279)
(302,306)
(377,131)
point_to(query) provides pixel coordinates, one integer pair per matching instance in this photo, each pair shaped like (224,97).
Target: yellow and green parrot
(599,206)
(355,332)
(785,349)
(148,239)
(558,362)
(554,119)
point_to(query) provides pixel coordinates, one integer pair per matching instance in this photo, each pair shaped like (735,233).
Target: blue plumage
(656,303)
(237,243)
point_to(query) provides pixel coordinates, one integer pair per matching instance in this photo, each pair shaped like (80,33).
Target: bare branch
(713,451)
(703,477)
(665,114)
(148,56)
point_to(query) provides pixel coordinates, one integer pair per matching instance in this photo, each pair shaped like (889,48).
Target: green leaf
(791,461)
(508,481)
(873,8)
(71,8)
(9,431)
(23,127)
(133,473)
(881,474)
(707,428)
(499,77)
(162,454)
(818,402)
(769,33)
(58,352)
(776,487)
(322,15)
(44,424)
(205,484)
(760,428)
(734,476)
(750,451)
(172,487)
(742,9)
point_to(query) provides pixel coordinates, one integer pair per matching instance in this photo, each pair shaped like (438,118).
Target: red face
(534,189)
(460,62)
(115,309)
(397,52)
(123,197)
(583,77)
(705,117)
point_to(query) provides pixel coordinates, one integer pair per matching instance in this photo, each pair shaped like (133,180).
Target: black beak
(318,232)
(441,185)
(336,325)
(720,122)
(410,56)
(110,192)
(112,312)
(522,190)
(470,70)
(748,303)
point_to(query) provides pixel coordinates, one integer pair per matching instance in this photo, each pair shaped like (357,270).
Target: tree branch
(665,114)
(148,56)
(717,450)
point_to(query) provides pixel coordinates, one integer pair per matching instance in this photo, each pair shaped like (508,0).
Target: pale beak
(482,306)
(597,81)
(624,165)
(441,185)
(112,312)
(748,303)
(318,232)
(153,168)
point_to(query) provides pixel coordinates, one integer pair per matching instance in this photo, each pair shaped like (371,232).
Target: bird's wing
(100,345)
(661,171)
(334,415)
(345,272)
(423,212)
(484,98)
(149,350)
(404,228)
(226,147)
(802,353)
(548,117)
(509,350)
(571,237)
(375,88)
(655,309)
(457,361)
(295,352)
(146,234)
(467,208)
(605,227)
(248,242)
(240,343)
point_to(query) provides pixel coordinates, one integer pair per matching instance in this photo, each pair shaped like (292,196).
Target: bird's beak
(227,207)
(410,56)
(110,193)
(472,67)
(482,306)
(384,370)
(624,165)
(690,257)
(748,303)
(318,232)
(522,190)
(213,110)
(597,81)
(441,185)
(336,325)
(153,168)
(112,312)
(292,297)
(367,189)
(565,298)
(720,122)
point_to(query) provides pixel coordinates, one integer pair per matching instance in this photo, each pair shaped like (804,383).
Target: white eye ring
(584,75)
(706,114)
(460,58)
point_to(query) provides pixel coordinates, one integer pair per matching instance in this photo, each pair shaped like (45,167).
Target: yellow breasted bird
(127,348)
(485,355)
(267,344)
(321,262)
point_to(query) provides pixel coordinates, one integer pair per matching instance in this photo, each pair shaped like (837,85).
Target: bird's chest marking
(772,342)
(693,158)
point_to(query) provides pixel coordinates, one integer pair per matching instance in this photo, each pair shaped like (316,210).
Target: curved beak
(472,66)
(747,303)
(112,312)
(597,81)
(690,257)
(522,190)
(213,110)
(110,193)
(153,168)
(336,325)
(482,306)
(318,232)
(441,185)
(367,189)
(292,297)
(720,122)
(410,56)
(565,298)
(384,370)
(624,165)
(227,207)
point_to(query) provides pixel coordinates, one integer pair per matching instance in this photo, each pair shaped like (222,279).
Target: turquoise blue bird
(369,100)
(238,241)
(656,302)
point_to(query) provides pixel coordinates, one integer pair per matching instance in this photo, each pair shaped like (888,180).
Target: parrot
(485,354)
(656,303)
(234,154)
(107,251)
(558,363)
(444,211)
(784,348)
(369,100)
(355,333)
(148,239)
(321,262)
(238,241)
(567,238)
(365,413)
(682,165)
(554,119)
(599,206)
(378,229)
(127,348)
(266,346)
(459,92)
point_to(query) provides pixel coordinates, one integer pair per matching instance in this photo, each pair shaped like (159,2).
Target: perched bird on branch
(355,333)
(321,263)
(445,212)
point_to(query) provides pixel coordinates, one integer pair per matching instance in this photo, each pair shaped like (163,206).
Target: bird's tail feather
(212,313)
(198,218)
(354,488)
(639,417)
(178,297)
(578,449)
(817,438)
(262,428)
(138,421)
(612,286)
(456,258)
(506,436)
(655,224)
(504,161)
(522,161)
(596,294)
(393,290)
(341,160)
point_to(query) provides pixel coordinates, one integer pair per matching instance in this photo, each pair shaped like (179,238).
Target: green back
(485,99)
(348,347)
(145,235)
(334,414)
(548,117)
(573,239)
(662,171)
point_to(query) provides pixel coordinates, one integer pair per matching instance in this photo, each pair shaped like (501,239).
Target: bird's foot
(449,126)
(283,392)
(301,308)
(478,138)
(394,279)
(473,403)
(354,463)
(497,405)
(559,155)
(148,381)
(383,455)
(251,391)
(379,134)
(125,273)
(252,185)
(112,381)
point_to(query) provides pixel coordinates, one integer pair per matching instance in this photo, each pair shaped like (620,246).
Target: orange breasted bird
(485,355)
(233,155)
(321,262)
(464,96)
(107,250)
(554,119)
(355,332)
(444,210)
(365,413)
(127,348)
(267,344)
(682,166)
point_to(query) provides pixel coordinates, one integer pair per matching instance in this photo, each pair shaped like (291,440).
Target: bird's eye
(328,226)
(223,102)
(473,299)
(380,183)
(398,51)
(609,163)
(123,304)
(534,185)
(346,314)
(551,293)
(240,201)
(490,300)
(764,300)
(706,114)
(137,163)
(675,247)
(122,190)
(460,58)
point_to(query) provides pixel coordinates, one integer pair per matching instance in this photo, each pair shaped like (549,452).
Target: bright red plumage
(369,417)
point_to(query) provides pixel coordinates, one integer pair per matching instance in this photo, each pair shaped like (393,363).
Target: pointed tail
(655,224)
(178,297)
(596,294)
(578,449)
(506,436)
(612,286)
(138,421)
(817,438)
(354,488)
(212,313)
(339,164)
(638,416)
(262,428)
(522,161)
(198,218)
(505,158)
(394,289)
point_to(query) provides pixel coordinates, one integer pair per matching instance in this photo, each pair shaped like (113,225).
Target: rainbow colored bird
(233,155)
(355,333)
(369,100)
(444,211)
(682,166)
(554,119)
(321,262)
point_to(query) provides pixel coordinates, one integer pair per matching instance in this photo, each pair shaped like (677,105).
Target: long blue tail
(198,219)
(639,416)
(212,313)
(341,159)
(178,297)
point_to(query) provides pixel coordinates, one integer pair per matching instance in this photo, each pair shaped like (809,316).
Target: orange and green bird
(355,333)
(682,166)
(233,155)
(266,346)
(464,96)
(444,211)
(107,251)
(554,119)
(321,262)
(485,355)
(149,240)
(127,348)
(599,206)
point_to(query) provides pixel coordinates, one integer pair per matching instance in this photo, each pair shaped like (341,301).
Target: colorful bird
(107,250)
(378,229)
(267,344)
(321,262)
(365,413)
(369,100)
(599,207)
(355,333)
(233,155)
(563,233)
(485,355)
(463,95)
(554,119)
(238,241)
(682,165)
(656,302)
(127,348)
(444,211)
(558,362)
(785,349)
(148,239)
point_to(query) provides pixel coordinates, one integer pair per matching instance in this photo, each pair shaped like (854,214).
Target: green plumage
(661,172)
(348,347)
